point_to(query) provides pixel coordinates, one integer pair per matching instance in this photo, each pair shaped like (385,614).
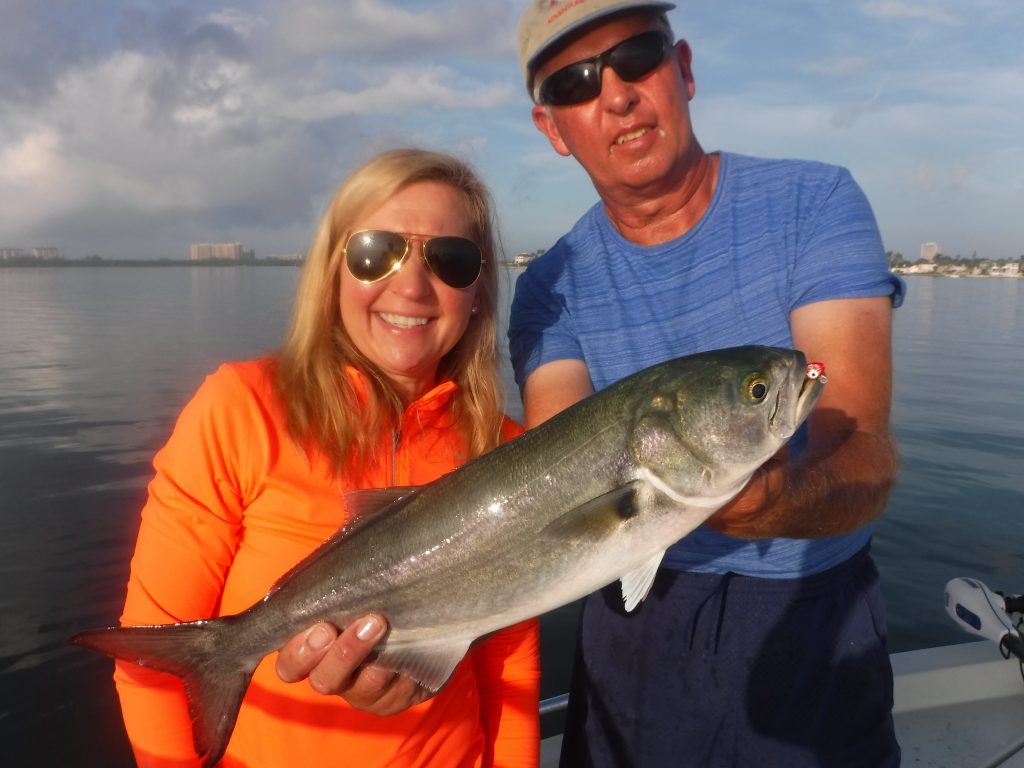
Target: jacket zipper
(396,436)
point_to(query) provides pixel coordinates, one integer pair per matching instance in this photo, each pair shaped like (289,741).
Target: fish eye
(755,388)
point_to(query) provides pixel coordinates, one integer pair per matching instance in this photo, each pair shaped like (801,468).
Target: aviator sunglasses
(580,81)
(374,254)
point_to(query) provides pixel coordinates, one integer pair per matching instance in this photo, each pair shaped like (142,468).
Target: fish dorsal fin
(430,664)
(599,516)
(367,501)
(637,583)
(361,507)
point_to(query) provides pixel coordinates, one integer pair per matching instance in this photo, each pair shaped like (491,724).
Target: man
(763,640)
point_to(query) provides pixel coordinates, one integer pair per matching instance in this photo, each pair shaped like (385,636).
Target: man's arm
(552,388)
(843,478)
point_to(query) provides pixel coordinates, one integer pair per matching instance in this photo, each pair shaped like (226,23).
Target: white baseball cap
(546,22)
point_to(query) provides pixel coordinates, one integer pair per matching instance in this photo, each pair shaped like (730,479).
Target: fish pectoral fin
(598,517)
(637,583)
(430,665)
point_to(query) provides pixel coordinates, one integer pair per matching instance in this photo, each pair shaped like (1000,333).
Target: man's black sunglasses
(580,81)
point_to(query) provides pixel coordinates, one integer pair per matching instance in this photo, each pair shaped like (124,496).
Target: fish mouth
(810,390)
(786,418)
(773,417)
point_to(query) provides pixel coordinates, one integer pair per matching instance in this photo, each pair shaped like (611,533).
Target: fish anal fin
(431,665)
(597,517)
(637,583)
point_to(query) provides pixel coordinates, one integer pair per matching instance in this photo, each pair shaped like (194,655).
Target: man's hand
(334,664)
(842,479)
(744,517)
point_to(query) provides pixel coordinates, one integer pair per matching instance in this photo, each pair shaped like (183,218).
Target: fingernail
(370,628)
(318,638)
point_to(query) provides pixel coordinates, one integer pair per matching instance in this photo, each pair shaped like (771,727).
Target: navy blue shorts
(726,670)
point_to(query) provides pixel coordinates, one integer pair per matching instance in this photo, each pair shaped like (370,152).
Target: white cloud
(399,91)
(928,178)
(238,21)
(897,9)
(379,26)
(117,147)
(161,120)
(844,66)
(847,115)
(32,159)
(204,127)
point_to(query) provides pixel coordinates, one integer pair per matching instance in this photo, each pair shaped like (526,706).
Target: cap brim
(579,24)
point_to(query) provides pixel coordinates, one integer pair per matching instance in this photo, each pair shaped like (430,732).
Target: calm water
(96,363)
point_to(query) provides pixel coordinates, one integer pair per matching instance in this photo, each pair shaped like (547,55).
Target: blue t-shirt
(778,234)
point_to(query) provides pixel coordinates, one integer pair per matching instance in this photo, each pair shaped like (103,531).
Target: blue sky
(131,129)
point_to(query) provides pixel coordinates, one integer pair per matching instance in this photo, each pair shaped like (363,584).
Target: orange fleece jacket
(233,506)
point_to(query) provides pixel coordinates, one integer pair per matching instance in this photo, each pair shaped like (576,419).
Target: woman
(387,377)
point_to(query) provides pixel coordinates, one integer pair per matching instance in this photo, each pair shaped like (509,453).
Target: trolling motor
(980,611)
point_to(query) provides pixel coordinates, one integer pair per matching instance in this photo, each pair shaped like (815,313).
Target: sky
(132,128)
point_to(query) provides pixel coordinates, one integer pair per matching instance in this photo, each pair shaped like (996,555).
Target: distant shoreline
(104,263)
(30,263)
(966,277)
(100,263)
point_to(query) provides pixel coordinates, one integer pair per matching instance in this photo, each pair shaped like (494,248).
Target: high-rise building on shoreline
(43,254)
(226,251)
(930,250)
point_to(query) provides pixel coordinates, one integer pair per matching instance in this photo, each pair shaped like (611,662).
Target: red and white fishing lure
(816,371)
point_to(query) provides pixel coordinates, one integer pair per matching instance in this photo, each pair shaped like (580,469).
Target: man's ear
(684,57)
(542,119)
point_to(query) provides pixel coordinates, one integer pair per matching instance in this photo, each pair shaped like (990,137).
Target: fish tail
(200,653)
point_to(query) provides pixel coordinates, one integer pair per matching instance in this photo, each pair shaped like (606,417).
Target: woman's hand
(334,663)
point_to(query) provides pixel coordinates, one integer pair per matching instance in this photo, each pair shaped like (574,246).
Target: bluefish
(595,494)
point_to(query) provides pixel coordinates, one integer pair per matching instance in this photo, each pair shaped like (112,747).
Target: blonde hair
(325,409)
